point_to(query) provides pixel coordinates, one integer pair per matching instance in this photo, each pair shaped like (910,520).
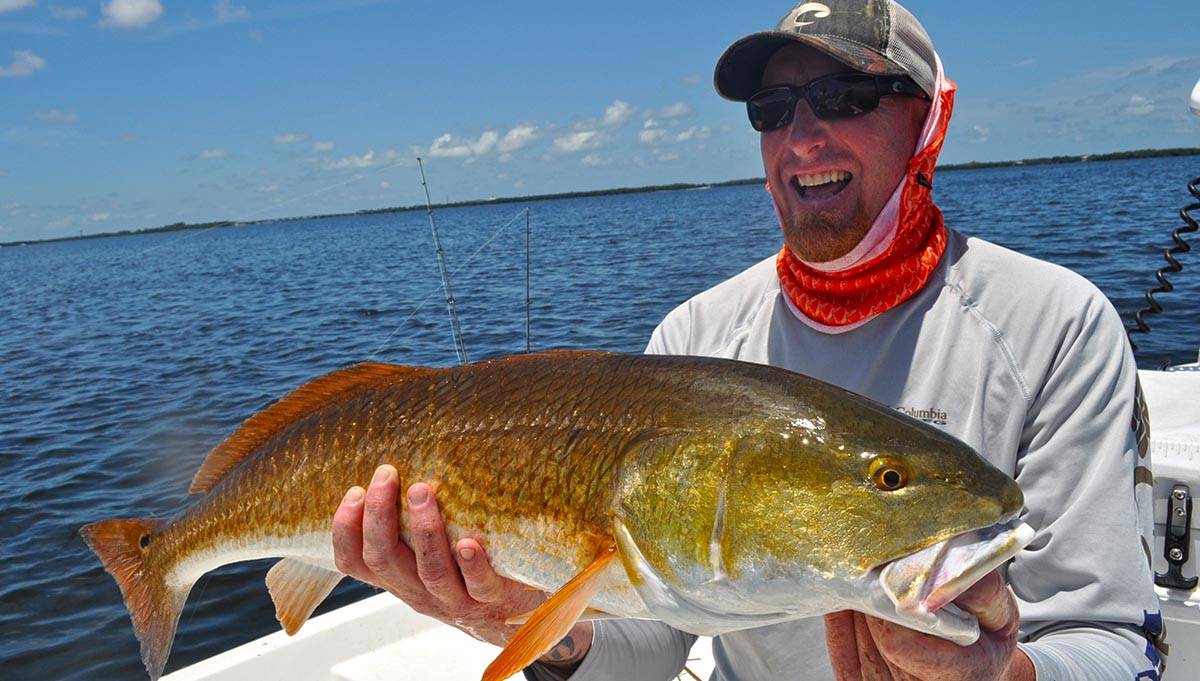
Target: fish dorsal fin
(297,588)
(266,424)
(552,620)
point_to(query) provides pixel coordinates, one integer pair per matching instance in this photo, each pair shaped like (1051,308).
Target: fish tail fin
(123,546)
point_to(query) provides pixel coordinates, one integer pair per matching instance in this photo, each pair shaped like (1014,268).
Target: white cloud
(268,188)
(653,134)
(578,141)
(371,160)
(25,63)
(517,138)
(449,146)
(675,110)
(128,138)
(617,113)
(595,161)
(1146,68)
(980,134)
(1025,63)
(1139,106)
(208,154)
(14,5)
(130,13)
(323,147)
(97,217)
(693,79)
(56,116)
(290,138)
(67,13)
(225,11)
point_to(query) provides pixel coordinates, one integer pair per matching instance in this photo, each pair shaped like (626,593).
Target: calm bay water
(123,360)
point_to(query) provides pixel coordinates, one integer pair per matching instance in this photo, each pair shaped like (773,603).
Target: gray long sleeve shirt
(1023,360)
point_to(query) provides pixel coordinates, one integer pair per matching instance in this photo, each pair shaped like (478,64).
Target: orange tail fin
(123,547)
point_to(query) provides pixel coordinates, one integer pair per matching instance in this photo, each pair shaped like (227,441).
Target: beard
(821,236)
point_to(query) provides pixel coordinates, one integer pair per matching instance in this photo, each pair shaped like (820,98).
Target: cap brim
(739,70)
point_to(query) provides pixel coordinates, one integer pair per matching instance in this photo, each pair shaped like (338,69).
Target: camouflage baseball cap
(873,36)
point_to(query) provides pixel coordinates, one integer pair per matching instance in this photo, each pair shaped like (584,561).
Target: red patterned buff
(842,300)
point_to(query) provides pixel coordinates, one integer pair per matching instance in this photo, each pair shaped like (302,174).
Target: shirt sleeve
(1085,587)
(1088,652)
(627,649)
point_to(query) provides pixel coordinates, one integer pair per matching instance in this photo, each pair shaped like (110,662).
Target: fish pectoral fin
(589,615)
(553,619)
(297,588)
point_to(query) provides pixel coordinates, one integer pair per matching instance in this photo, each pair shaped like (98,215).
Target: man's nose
(807,134)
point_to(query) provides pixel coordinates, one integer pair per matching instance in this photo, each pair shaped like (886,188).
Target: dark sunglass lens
(843,97)
(771,109)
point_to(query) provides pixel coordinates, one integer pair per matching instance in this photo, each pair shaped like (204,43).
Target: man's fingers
(347,535)
(874,666)
(435,563)
(992,602)
(843,648)
(482,582)
(383,552)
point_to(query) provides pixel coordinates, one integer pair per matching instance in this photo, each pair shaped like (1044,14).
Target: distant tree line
(179,226)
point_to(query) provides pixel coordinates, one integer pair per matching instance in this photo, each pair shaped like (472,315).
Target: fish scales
(497,444)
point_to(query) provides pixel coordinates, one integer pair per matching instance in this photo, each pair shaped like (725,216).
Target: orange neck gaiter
(842,300)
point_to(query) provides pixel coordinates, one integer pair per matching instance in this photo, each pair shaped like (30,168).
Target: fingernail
(381,476)
(466,553)
(353,496)
(418,495)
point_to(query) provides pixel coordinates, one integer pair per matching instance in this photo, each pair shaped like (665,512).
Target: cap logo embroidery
(816,9)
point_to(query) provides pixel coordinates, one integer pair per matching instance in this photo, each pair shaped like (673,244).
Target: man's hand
(457,587)
(870,649)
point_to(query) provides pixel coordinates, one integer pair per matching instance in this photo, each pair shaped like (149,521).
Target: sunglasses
(841,95)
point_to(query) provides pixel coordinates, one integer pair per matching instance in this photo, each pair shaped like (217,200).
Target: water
(123,360)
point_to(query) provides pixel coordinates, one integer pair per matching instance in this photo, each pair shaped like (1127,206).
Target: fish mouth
(820,186)
(925,582)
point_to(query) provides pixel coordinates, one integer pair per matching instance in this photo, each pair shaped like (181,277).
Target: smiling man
(871,291)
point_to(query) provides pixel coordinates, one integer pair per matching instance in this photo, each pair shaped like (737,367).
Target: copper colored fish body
(712,494)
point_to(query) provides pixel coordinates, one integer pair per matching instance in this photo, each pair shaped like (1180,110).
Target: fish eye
(888,475)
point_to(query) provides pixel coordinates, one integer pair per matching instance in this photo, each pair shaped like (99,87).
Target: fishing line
(460,345)
(454,272)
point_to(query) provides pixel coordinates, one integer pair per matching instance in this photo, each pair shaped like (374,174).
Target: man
(1023,360)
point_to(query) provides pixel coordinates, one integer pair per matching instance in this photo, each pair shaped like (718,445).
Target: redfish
(711,494)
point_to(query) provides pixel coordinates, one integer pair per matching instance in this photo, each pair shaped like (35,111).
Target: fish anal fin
(297,588)
(308,398)
(122,547)
(552,620)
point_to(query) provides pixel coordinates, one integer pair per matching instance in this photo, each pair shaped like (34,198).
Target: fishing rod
(460,347)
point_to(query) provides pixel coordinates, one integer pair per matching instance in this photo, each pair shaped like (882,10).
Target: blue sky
(128,114)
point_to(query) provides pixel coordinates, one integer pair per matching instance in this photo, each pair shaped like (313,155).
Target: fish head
(796,515)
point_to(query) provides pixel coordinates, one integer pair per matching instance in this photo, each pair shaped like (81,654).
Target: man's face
(831,178)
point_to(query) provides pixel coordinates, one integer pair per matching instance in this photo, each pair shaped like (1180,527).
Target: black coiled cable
(1172,266)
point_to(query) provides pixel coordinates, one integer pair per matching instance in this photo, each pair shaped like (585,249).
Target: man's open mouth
(821,185)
